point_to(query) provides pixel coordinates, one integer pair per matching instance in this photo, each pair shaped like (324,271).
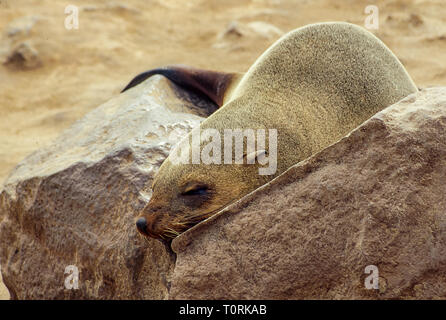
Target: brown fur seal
(314,85)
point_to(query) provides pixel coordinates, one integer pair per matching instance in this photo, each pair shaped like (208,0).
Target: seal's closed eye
(196,195)
(196,190)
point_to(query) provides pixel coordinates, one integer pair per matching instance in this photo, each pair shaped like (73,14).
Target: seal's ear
(211,84)
(258,156)
(252,157)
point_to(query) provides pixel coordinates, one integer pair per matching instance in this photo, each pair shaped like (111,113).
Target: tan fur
(314,85)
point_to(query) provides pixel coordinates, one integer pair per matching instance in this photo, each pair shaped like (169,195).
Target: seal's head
(185,194)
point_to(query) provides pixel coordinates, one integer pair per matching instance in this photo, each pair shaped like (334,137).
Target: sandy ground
(66,73)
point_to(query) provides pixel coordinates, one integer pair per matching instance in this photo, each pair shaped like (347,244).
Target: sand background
(80,69)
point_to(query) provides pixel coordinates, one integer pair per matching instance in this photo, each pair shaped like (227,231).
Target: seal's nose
(141,224)
(147,226)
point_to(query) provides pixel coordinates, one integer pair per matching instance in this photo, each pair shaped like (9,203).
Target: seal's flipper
(211,84)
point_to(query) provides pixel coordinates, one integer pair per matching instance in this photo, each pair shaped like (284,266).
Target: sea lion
(314,85)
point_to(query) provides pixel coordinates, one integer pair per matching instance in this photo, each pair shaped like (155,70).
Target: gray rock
(75,202)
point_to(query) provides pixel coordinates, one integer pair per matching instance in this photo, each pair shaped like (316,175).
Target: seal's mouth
(172,230)
(148,227)
(175,229)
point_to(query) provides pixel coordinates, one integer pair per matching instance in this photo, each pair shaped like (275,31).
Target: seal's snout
(147,226)
(141,224)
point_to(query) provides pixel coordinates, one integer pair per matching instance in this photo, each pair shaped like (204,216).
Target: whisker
(170,231)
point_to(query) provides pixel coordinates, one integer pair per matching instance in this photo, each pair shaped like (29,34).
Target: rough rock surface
(376,197)
(75,202)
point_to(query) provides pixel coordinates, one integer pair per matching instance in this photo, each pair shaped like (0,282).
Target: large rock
(75,202)
(376,197)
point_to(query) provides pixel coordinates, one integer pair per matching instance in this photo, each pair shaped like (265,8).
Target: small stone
(232,30)
(24,56)
(21,26)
